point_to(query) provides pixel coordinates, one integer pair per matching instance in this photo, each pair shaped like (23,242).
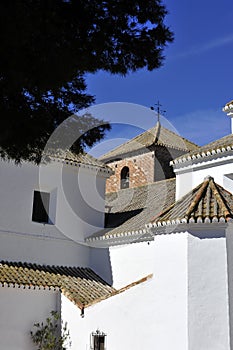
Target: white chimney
(228,109)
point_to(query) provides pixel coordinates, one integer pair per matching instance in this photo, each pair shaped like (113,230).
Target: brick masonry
(144,168)
(141,171)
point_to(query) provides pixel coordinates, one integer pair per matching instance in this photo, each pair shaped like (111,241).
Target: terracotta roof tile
(81,285)
(208,202)
(158,135)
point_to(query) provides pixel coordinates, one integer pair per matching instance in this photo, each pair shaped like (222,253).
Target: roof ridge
(131,140)
(197,197)
(183,138)
(220,198)
(148,138)
(157,131)
(160,126)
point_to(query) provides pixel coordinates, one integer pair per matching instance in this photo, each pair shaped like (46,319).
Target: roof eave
(106,240)
(186,227)
(187,159)
(105,170)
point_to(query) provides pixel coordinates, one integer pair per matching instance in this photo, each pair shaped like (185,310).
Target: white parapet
(228,109)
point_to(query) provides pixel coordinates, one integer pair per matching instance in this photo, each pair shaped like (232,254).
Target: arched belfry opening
(125,177)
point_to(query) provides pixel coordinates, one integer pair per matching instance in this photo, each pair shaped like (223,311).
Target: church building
(148,265)
(145,159)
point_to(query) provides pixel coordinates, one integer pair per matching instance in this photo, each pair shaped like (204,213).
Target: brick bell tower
(145,158)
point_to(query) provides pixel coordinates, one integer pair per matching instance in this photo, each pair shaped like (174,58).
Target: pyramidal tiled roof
(156,135)
(81,285)
(208,202)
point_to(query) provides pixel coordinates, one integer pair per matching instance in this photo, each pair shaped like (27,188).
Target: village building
(149,265)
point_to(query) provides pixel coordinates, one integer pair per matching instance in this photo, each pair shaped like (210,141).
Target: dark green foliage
(47,47)
(48,336)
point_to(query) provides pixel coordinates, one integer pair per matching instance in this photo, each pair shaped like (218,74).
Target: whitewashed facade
(58,242)
(173,289)
(20,309)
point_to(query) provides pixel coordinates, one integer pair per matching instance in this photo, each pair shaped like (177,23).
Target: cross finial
(159,111)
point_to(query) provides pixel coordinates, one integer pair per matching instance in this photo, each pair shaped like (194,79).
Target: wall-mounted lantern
(98,340)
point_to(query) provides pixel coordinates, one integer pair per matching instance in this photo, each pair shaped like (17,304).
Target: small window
(40,211)
(125,177)
(98,341)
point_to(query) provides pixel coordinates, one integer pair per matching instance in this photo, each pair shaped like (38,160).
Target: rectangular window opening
(40,211)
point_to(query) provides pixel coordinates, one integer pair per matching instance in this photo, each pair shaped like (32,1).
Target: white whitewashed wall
(148,316)
(208,299)
(19,310)
(185,306)
(76,208)
(192,175)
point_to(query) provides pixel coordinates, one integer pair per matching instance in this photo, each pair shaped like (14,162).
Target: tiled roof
(157,135)
(78,159)
(208,202)
(223,145)
(128,210)
(81,285)
(228,107)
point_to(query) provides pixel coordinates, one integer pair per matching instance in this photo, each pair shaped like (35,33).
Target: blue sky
(196,79)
